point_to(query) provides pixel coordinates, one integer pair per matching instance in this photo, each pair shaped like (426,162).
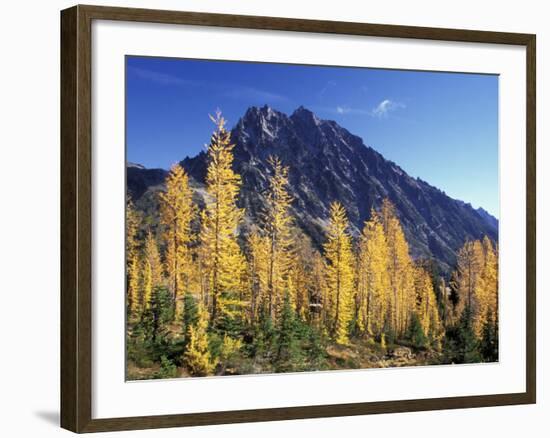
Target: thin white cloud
(228,90)
(161,78)
(342,109)
(385,107)
(254,94)
(381,110)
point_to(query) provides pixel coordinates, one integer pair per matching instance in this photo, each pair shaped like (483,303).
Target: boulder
(401,353)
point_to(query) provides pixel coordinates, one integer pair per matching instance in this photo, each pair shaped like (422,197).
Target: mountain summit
(327,163)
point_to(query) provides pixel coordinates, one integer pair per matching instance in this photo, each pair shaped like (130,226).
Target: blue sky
(441,127)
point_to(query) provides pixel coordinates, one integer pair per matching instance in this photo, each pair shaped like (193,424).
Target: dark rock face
(490,219)
(327,163)
(139,179)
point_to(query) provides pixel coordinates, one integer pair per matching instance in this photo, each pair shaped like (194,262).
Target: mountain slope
(328,163)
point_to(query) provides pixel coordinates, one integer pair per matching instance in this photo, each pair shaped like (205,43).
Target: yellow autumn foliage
(401,300)
(373,282)
(277,221)
(476,280)
(197,356)
(339,273)
(176,213)
(426,306)
(152,269)
(132,260)
(222,263)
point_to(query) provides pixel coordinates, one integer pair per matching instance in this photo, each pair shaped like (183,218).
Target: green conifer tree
(467,344)
(288,352)
(416,333)
(489,340)
(190,313)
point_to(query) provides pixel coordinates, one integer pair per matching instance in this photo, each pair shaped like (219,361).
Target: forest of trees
(204,298)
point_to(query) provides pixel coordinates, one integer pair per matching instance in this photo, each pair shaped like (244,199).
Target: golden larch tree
(152,269)
(197,356)
(339,272)
(132,229)
(318,296)
(490,279)
(146,284)
(132,259)
(258,255)
(176,214)
(300,276)
(277,223)
(134,289)
(373,282)
(222,262)
(470,283)
(400,270)
(426,306)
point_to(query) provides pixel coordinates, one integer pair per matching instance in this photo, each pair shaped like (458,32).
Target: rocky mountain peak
(255,114)
(303,115)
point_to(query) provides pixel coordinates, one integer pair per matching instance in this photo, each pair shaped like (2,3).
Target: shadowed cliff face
(327,163)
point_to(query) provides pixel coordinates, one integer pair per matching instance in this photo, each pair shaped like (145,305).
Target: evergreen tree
(154,324)
(264,338)
(489,341)
(316,350)
(167,369)
(159,313)
(232,318)
(388,332)
(288,352)
(467,344)
(416,332)
(190,313)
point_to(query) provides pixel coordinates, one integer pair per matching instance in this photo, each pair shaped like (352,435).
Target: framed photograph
(269,219)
